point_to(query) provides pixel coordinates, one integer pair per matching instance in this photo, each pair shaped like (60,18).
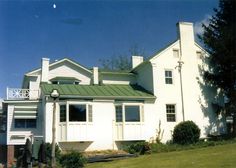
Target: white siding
(118,79)
(69,70)
(13,133)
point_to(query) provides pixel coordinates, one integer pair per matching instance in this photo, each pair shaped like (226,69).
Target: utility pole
(180,63)
(54,94)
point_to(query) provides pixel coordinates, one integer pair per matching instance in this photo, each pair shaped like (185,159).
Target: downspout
(181,86)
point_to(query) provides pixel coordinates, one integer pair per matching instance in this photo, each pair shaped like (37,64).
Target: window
(199,54)
(62,113)
(77,112)
(119,115)
(170,113)
(25,123)
(90,113)
(168,77)
(55,82)
(63,82)
(176,53)
(131,113)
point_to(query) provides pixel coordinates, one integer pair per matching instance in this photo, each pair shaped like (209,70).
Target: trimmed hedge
(73,160)
(186,132)
(139,148)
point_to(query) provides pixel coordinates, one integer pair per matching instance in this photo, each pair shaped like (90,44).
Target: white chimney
(95,76)
(186,37)
(136,60)
(45,69)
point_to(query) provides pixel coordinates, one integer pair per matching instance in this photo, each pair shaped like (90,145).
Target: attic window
(199,54)
(65,80)
(176,53)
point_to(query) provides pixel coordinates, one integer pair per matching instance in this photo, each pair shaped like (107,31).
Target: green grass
(221,156)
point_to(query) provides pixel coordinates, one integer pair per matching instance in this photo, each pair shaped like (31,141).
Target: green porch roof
(98,91)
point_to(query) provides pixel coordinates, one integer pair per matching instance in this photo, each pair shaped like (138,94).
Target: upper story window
(170,113)
(199,54)
(76,113)
(129,113)
(176,53)
(168,77)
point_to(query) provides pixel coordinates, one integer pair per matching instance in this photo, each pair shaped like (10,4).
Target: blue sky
(87,31)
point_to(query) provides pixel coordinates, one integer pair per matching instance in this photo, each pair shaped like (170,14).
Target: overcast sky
(87,31)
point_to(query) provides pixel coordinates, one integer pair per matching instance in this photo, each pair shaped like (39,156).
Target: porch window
(170,113)
(77,113)
(25,123)
(62,113)
(129,113)
(132,114)
(119,113)
(90,113)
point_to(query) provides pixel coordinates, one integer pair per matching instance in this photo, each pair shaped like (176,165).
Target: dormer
(65,80)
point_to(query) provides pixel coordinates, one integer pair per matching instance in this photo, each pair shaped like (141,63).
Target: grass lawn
(209,157)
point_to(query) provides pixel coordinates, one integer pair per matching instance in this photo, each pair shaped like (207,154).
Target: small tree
(122,61)
(186,132)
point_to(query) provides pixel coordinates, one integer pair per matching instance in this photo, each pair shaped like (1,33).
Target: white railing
(16,93)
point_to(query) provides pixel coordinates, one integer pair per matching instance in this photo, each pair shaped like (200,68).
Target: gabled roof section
(199,46)
(156,54)
(31,73)
(133,92)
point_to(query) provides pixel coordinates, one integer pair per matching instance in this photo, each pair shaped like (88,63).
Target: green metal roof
(98,91)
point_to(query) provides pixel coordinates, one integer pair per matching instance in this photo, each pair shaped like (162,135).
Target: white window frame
(174,51)
(89,117)
(172,77)
(141,112)
(175,112)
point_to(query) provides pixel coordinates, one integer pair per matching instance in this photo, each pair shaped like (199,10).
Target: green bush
(139,148)
(186,132)
(72,160)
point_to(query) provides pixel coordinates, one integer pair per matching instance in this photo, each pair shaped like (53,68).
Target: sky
(87,30)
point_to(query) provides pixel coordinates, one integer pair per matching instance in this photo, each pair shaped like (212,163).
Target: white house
(99,110)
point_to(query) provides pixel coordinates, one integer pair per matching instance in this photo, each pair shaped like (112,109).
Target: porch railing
(16,93)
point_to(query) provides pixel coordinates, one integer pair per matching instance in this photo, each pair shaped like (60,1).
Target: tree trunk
(53,161)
